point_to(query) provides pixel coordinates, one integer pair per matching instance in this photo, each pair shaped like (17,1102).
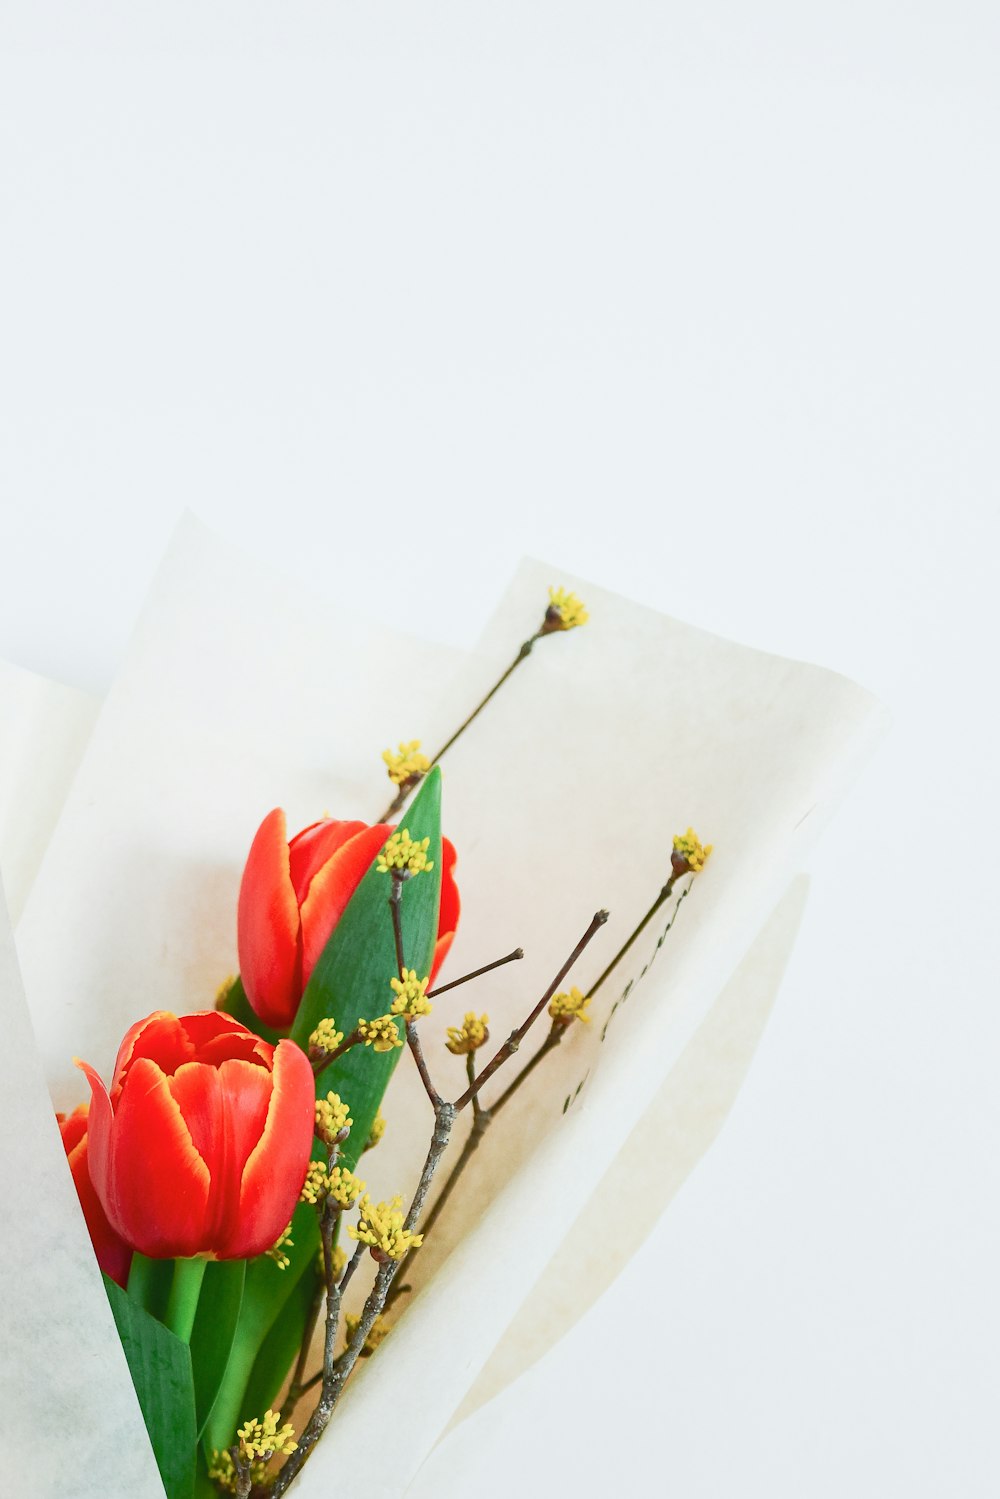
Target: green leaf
(214,1330)
(350,982)
(160,1365)
(281,1346)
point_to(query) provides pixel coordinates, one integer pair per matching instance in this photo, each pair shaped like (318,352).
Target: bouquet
(332,1183)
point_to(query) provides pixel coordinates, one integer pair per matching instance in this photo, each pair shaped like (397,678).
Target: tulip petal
(73,1127)
(309,850)
(225,1109)
(450,907)
(152,1182)
(160,1036)
(331,889)
(113,1254)
(268,929)
(276,1168)
(216,1036)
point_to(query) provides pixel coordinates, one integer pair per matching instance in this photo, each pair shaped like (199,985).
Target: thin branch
(658,903)
(413,1041)
(476,973)
(515,1038)
(404,791)
(550,1043)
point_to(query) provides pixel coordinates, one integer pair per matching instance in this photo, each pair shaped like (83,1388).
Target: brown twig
(515,1038)
(404,790)
(413,1041)
(336,1371)
(476,973)
(657,905)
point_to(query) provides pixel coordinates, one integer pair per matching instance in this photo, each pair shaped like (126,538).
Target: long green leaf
(214,1330)
(350,982)
(160,1365)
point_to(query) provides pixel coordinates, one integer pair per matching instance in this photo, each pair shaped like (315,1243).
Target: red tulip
(113,1255)
(292,896)
(202,1145)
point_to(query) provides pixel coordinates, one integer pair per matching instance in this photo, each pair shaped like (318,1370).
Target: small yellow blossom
(569,1007)
(224,990)
(380,1226)
(377,1334)
(332,1118)
(565,611)
(408,764)
(277,1249)
(381,1034)
(376,1132)
(405,854)
(325,1038)
(344,1187)
(261,1440)
(469,1036)
(316,1184)
(222,1473)
(411,998)
(689,854)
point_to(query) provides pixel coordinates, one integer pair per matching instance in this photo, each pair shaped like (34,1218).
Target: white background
(699,301)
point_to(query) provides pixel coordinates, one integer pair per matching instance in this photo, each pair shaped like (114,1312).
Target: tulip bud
(293,894)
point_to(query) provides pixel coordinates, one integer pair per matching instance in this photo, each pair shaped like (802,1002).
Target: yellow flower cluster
(691,853)
(381,1034)
(376,1132)
(569,1007)
(277,1249)
(261,1440)
(411,998)
(407,764)
(332,1118)
(469,1036)
(325,1038)
(377,1334)
(315,1186)
(344,1187)
(568,607)
(405,854)
(380,1226)
(222,1473)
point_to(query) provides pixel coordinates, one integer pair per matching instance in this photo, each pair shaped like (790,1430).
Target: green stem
(184,1292)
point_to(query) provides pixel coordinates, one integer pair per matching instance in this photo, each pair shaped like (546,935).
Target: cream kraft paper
(237,694)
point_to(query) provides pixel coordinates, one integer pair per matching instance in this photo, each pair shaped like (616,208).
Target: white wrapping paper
(239,694)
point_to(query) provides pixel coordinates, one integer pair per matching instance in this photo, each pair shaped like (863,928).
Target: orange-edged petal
(268,930)
(160,1036)
(331,889)
(152,1182)
(113,1254)
(309,850)
(276,1169)
(216,1036)
(73,1127)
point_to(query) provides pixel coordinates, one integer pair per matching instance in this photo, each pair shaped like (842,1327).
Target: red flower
(113,1254)
(292,896)
(202,1145)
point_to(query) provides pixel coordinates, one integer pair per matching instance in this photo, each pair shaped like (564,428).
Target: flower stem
(658,903)
(185,1288)
(404,791)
